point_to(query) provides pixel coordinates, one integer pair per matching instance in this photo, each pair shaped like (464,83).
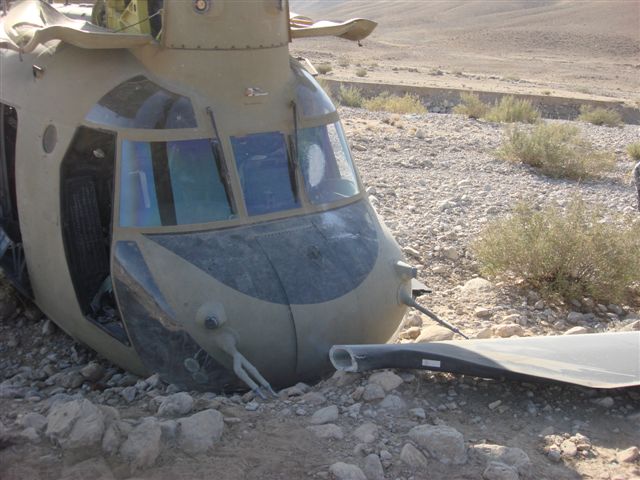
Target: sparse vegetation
(599,116)
(546,92)
(633,149)
(361,72)
(324,68)
(471,106)
(395,104)
(572,253)
(344,61)
(350,96)
(557,150)
(511,110)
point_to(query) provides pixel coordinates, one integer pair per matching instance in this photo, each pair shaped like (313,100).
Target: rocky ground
(66,414)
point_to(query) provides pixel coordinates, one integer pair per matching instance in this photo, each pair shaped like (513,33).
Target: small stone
(142,446)
(199,432)
(606,402)
(75,424)
(477,286)
(111,439)
(413,457)
(93,468)
(325,415)
(628,455)
(434,333)
(346,471)
(554,454)
(178,404)
(372,392)
(482,312)
(48,328)
(451,253)
(252,406)
(508,330)
(129,393)
(539,305)
(411,333)
(494,405)
(366,433)
(444,443)
(393,402)
(386,379)
(373,467)
(499,471)
(484,333)
(515,458)
(576,331)
(568,449)
(92,371)
(32,420)
(418,413)
(329,430)
(575,317)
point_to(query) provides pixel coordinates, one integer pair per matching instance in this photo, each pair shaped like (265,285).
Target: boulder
(434,333)
(199,432)
(413,457)
(444,443)
(372,468)
(512,457)
(386,379)
(142,446)
(325,415)
(346,471)
(176,405)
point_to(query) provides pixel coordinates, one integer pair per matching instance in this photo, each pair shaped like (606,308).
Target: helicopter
(177,193)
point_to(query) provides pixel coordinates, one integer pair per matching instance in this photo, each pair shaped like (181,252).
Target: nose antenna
(409,301)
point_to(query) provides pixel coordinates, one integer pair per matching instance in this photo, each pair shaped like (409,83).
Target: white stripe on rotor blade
(430,363)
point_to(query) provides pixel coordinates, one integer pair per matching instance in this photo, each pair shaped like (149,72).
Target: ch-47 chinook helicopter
(177,193)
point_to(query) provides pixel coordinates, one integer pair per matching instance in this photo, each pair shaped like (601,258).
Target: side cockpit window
(140,103)
(266,173)
(326,164)
(171,183)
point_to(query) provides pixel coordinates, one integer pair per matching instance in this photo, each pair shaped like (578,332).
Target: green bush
(557,150)
(324,68)
(511,110)
(633,149)
(599,116)
(361,72)
(386,102)
(471,106)
(572,253)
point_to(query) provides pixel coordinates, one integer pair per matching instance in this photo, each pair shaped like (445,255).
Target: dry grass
(557,150)
(324,68)
(361,72)
(512,110)
(395,104)
(572,253)
(599,116)
(633,149)
(350,96)
(471,106)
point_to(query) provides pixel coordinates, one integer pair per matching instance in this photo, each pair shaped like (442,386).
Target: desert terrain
(436,182)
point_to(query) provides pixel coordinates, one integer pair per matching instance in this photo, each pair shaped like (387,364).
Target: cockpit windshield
(326,164)
(171,183)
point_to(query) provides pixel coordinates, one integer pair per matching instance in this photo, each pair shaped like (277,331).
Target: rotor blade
(599,360)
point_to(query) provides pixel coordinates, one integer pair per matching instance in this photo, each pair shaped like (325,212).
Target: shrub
(350,96)
(557,150)
(344,61)
(511,110)
(633,149)
(361,72)
(599,116)
(324,68)
(471,106)
(395,104)
(572,253)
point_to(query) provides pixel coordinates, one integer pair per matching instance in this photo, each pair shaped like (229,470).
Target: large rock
(346,471)
(325,415)
(477,286)
(372,467)
(413,457)
(33,420)
(508,330)
(444,443)
(330,430)
(366,433)
(393,402)
(500,471)
(386,379)
(373,391)
(77,424)
(199,432)
(434,333)
(513,457)
(175,405)
(142,446)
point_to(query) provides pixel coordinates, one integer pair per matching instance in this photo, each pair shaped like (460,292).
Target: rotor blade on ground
(600,360)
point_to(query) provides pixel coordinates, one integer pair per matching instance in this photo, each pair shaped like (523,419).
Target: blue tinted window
(171,183)
(265,173)
(140,103)
(326,164)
